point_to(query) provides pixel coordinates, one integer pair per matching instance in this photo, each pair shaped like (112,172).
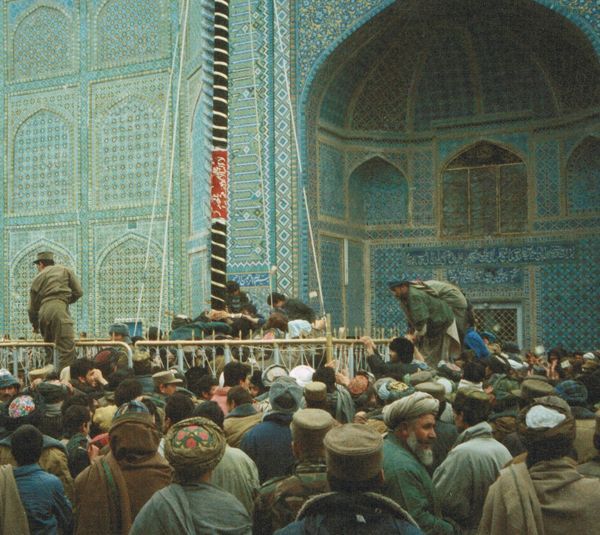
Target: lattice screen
(504,321)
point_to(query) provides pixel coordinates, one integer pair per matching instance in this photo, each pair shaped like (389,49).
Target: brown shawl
(111,492)
(13,518)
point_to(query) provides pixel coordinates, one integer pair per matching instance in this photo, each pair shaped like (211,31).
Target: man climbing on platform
(52,291)
(432,309)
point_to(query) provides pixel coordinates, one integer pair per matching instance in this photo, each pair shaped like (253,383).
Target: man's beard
(425,455)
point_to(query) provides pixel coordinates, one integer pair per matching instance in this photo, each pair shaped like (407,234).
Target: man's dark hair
(142,367)
(275,298)
(153,410)
(74,417)
(238,396)
(232,286)
(76,399)
(256,380)
(26,445)
(473,413)
(203,385)
(375,484)
(128,390)
(325,375)
(234,372)
(212,411)
(404,348)
(474,372)
(547,450)
(154,333)
(80,368)
(498,364)
(178,407)
(117,377)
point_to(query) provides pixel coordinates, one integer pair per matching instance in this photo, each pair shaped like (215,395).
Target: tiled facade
(383,94)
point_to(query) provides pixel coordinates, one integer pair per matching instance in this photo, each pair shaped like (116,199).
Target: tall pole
(220,163)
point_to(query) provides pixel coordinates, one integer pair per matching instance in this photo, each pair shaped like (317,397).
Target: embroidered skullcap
(21,406)
(196,443)
(409,408)
(392,390)
(551,418)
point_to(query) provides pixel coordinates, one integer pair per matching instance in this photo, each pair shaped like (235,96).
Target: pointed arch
(118,279)
(484,192)
(21,273)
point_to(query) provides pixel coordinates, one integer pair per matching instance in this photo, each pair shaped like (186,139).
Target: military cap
(434,389)
(44,256)
(315,391)
(354,452)
(312,419)
(166,378)
(419,377)
(534,388)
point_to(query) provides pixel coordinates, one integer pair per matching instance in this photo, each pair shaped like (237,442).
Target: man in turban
(406,453)
(546,494)
(192,504)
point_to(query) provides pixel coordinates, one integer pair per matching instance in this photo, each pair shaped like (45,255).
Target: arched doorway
(415,87)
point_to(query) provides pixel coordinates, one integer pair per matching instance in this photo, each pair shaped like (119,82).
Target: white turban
(409,408)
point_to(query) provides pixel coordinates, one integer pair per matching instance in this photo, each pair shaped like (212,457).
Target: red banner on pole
(218,185)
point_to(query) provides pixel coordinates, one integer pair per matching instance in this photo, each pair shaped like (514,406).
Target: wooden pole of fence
(329,338)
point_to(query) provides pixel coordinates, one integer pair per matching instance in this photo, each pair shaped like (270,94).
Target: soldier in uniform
(280,499)
(52,291)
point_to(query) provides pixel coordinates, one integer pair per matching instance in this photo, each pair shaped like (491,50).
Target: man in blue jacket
(42,494)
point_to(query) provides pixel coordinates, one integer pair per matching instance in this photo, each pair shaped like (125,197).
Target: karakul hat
(316,391)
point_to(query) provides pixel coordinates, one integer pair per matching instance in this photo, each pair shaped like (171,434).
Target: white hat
(303,374)
(589,356)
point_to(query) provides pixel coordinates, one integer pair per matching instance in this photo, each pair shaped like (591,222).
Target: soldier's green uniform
(280,498)
(52,291)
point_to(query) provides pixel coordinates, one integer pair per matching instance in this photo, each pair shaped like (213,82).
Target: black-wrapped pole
(220,163)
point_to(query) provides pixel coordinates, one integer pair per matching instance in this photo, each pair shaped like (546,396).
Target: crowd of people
(503,443)
(454,433)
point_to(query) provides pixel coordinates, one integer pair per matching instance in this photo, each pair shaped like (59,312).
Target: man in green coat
(52,291)
(406,453)
(429,311)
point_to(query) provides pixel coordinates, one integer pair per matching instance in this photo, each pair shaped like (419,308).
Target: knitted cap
(194,443)
(315,391)
(135,409)
(7,379)
(285,395)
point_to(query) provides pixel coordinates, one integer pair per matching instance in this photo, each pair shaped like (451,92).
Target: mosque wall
(376,200)
(83,95)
